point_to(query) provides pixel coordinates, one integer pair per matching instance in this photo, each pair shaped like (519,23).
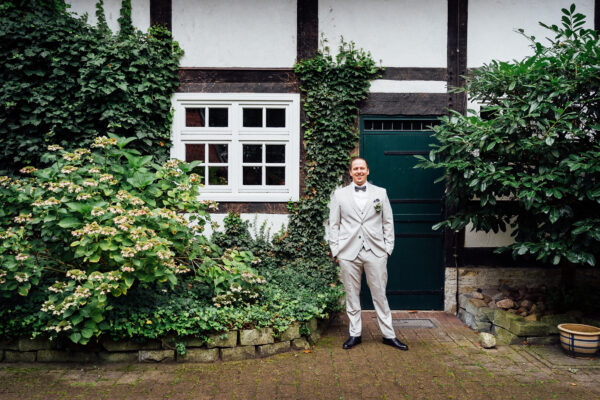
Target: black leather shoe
(351,342)
(394,342)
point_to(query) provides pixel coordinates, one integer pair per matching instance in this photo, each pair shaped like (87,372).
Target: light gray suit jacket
(349,227)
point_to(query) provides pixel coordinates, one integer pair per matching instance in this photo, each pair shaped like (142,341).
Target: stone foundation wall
(227,346)
(491,278)
(510,328)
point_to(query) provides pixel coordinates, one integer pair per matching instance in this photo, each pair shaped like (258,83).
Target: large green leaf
(69,222)
(87,333)
(141,179)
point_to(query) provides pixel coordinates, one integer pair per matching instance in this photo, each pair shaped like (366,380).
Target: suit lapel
(352,201)
(372,196)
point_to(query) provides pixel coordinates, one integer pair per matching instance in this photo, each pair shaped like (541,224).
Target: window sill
(248,197)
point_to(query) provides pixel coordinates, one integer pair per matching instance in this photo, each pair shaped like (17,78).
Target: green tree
(531,160)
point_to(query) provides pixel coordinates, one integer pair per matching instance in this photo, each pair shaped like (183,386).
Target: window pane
(217,153)
(253,117)
(275,153)
(217,175)
(252,175)
(387,125)
(217,117)
(195,117)
(200,170)
(275,117)
(194,152)
(275,175)
(253,153)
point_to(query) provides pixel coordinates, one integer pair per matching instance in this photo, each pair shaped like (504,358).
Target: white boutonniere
(377,205)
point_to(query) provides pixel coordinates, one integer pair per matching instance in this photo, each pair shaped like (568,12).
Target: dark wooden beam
(456,68)
(415,74)
(250,87)
(307,29)
(405,104)
(161,13)
(597,15)
(236,75)
(457,52)
(307,45)
(237,80)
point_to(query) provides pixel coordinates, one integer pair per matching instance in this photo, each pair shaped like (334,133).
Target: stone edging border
(226,346)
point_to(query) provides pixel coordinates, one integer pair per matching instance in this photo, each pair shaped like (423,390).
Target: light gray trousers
(376,271)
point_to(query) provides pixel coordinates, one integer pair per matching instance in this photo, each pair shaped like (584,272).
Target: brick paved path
(444,362)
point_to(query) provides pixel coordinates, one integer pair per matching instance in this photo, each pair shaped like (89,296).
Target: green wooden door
(416,267)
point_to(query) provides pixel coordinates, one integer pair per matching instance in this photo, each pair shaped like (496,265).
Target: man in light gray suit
(361,236)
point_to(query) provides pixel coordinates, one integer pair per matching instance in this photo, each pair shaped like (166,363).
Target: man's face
(359,172)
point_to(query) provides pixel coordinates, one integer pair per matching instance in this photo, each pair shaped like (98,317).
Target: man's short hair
(357,158)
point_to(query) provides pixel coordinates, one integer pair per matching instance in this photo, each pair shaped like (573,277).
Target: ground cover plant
(531,160)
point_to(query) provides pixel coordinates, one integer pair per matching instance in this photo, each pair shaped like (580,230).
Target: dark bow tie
(360,188)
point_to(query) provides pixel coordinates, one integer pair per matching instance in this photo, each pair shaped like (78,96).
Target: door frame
(448,242)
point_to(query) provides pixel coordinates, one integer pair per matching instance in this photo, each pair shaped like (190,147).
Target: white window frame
(235,135)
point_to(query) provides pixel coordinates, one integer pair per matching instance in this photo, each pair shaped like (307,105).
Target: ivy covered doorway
(416,267)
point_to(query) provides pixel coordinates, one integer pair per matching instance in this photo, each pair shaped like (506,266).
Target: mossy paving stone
(139,392)
(331,390)
(204,384)
(267,386)
(310,380)
(224,380)
(309,386)
(246,385)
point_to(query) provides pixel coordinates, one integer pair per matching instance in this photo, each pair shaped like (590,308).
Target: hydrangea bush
(97,222)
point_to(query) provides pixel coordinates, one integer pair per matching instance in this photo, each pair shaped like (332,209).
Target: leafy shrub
(93,224)
(62,81)
(533,163)
(299,288)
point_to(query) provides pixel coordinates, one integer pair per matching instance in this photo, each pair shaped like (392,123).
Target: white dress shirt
(361,197)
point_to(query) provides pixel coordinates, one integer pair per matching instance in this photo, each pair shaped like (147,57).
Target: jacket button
(360,237)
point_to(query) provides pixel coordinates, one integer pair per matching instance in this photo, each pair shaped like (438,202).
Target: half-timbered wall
(250,46)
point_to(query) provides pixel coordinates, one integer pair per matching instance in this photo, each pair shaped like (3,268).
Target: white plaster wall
(140,12)
(400,33)
(274,223)
(482,239)
(236,33)
(389,86)
(492,25)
